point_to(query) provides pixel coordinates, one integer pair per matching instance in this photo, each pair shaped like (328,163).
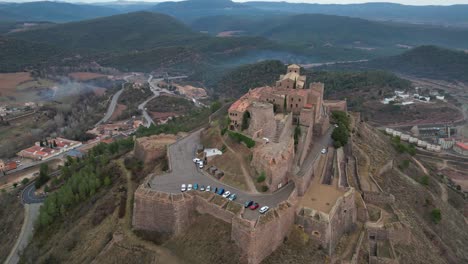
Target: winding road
(156,92)
(113,103)
(32,204)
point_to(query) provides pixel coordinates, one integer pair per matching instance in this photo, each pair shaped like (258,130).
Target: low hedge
(250,143)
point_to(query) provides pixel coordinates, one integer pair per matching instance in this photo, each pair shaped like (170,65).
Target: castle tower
(294,68)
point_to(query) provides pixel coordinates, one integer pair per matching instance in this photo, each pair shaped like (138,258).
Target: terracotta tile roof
(246,100)
(462,145)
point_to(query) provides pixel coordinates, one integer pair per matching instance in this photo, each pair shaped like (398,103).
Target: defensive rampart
(173,213)
(328,228)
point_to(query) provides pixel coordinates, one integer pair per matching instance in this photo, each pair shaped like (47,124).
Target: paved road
(35,163)
(31,213)
(157,92)
(314,153)
(28,195)
(184,171)
(113,103)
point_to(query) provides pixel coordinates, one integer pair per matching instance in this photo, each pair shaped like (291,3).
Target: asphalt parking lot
(185,171)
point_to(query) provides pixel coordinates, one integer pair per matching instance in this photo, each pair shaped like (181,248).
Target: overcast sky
(407,2)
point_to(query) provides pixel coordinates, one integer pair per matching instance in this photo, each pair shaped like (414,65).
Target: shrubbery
(403,147)
(424,180)
(180,124)
(238,137)
(436,215)
(43,176)
(340,134)
(82,179)
(262,177)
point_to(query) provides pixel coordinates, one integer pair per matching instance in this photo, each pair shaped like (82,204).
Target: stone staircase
(279,129)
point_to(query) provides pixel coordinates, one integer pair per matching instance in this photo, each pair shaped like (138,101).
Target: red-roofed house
(38,153)
(461,148)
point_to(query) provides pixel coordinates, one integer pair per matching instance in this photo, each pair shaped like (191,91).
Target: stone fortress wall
(174,213)
(328,228)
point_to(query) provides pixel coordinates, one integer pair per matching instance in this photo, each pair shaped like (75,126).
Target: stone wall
(262,120)
(150,149)
(328,229)
(204,206)
(303,179)
(276,160)
(173,214)
(162,212)
(378,198)
(259,240)
(336,105)
(307,143)
(342,217)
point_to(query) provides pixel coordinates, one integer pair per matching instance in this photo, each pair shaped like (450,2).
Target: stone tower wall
(262,120)
(162,212)
(258,240)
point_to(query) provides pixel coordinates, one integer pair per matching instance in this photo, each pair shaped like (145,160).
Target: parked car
(248,204)
(183,188)
(189,187)
(200,164)
(253,206)
(202,188)
(324,150)
(232,197)
(215,190)
(220,191)
(226,194)
(195,186)
(196,160)
(208,188)
(264,209)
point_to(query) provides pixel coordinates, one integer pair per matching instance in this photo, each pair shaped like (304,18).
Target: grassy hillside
(239,80)
(18,54)
(137,30)
(141,41)
(52,11)
(174,58)
(314,31)
(429,62)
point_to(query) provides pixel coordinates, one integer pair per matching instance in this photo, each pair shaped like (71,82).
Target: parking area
(185,171)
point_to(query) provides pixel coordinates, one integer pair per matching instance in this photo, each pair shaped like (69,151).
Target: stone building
(288,96)
(287,122)
(277,113)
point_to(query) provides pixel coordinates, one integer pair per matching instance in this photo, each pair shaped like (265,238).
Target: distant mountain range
(188,11)
(425,61)
(52,11)
(310,32)
(431,14)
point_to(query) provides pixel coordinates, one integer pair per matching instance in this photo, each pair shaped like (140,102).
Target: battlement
(173,213)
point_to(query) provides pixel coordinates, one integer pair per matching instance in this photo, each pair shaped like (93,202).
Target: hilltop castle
(275,114)
(290,125)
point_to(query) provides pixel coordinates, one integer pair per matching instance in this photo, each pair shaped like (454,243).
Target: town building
(446,143)
(7,165)
(461,148)
(51,148)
